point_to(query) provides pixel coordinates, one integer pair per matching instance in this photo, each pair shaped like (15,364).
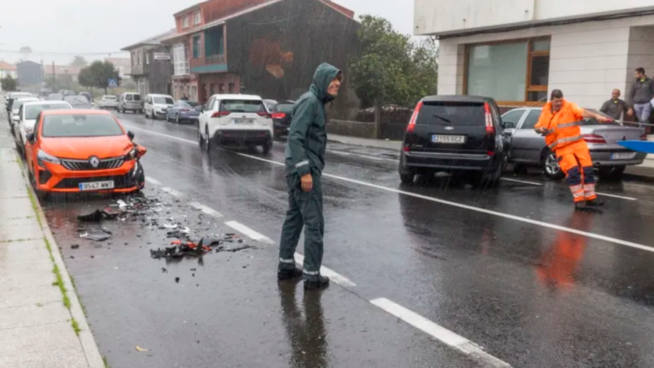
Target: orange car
(83,151)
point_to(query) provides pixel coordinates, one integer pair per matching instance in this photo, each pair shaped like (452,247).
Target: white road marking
(478,209)
(249,232)
(207,210)
(449,203)
(333,275)
(152,181)
(616,196)
(442,334)
(522,181)
(172,192)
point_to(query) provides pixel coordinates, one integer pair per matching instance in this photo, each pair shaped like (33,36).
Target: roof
(6,66)
(152,41)
(45,102)
(219,21)
(62,69)
(75,111)
(462,98)
(240,97)
(193,7)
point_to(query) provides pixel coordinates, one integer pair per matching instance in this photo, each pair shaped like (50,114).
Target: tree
(25,52)
(98,74)
(79,60)
(8,83)
(391,68)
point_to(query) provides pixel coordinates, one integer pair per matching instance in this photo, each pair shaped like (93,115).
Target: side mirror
(30,137)
(141,151)
(130,135)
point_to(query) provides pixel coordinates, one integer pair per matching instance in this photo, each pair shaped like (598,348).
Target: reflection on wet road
(512,271)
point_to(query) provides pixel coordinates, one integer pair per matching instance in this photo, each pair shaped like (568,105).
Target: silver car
(528,148)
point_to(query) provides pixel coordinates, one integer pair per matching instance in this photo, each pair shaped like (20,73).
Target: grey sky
(93,28)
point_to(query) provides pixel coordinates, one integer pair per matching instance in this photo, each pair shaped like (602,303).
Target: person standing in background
(615,106)
(641,95)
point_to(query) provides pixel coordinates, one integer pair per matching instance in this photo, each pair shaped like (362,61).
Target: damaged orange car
(83,151)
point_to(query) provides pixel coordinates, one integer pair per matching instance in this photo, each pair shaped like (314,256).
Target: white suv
(157,105)
(239,120)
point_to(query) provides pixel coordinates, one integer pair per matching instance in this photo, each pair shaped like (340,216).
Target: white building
(516,51)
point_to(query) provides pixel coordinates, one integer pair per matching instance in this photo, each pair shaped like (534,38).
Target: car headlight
(46,157)
(131,155)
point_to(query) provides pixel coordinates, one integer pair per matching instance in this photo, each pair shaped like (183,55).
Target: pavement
(434,274)
(41,320)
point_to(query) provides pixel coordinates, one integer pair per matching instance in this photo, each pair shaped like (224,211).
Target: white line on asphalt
(333,275)
(172,191)
(249,232)
(442,334)
(152,181)
(207,210)
(616,196)
(453,204)
(478,209)
(522,181)
(161,134)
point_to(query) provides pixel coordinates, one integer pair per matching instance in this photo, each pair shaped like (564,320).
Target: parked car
(240,120)
(27,118)
(9,101)
(157,105)
(108,102)
(130,101)
(55,97)
(78,102)
(82,151)
(87,95)
(454,134)
(270,104)
(15,107)
(528,148)
(282,114)
(184,110)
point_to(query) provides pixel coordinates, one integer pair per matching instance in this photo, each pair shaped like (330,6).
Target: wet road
(507,275)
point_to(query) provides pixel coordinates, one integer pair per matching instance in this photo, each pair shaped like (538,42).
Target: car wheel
(266,147)
(551,167)
(611,172)
(201,141)
(407,178)
(207,142)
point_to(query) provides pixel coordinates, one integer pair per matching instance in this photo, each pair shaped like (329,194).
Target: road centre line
(442,334)
(206,210)
(152,181)
(172,192)
(598,193)
(616,196)
(249,232)
(522,181)
(449,203)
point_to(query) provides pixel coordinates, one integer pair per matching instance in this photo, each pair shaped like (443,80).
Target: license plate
(243,121)
(97,185)
(452,139)
(623,155)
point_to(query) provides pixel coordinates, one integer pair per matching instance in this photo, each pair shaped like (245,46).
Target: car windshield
(242,106)
(163,100)
(77,100)
(55,96)
(32,111)
(80,125)
(451,113)
(285,108)
(18,103)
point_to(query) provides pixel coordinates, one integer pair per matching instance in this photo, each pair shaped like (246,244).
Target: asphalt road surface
(435,274)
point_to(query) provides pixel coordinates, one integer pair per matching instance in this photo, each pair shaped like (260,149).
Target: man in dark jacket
(305,159)
(641,94)
(615,107)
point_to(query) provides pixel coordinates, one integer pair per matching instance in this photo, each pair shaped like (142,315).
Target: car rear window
(242,106)
(451,113)
(286,108)
(163,100)
(32,111)
(132,97)
(80,125)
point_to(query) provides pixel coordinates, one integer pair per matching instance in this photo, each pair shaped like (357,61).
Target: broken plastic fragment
(140,349)
(74,246)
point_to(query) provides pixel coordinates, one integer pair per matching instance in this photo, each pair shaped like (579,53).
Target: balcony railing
(215,59)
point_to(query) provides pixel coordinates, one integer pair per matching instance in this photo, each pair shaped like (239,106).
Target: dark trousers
(304,211)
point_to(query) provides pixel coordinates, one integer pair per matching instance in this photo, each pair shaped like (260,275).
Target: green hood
(324,75)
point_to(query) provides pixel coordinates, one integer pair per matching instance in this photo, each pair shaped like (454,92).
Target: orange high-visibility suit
(563,136)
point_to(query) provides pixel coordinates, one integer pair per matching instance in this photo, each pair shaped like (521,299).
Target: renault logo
(94,161)
(449,128)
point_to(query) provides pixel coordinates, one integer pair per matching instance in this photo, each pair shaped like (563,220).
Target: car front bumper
(57,179)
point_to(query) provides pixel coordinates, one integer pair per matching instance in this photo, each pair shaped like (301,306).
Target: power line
(63,53)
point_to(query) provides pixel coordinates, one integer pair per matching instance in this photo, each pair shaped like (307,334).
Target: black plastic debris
(164,270)
(99,236)
(74,246)
(98,216)
(177,280)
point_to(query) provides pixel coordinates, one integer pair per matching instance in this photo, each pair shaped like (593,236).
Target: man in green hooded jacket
(305,159)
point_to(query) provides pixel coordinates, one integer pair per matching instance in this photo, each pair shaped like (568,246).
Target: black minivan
(454,134)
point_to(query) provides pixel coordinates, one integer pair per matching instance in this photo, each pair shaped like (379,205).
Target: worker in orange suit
(559,123)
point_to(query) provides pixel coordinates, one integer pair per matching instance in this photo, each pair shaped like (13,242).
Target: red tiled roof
(6,66)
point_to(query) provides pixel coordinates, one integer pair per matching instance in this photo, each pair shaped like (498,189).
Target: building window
(147,58)
(514,71)
(196,47)
(214,41)
(197,18)
(231,87)
(185,22)
(180,60)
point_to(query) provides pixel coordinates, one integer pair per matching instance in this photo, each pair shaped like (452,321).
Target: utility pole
(54,78)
